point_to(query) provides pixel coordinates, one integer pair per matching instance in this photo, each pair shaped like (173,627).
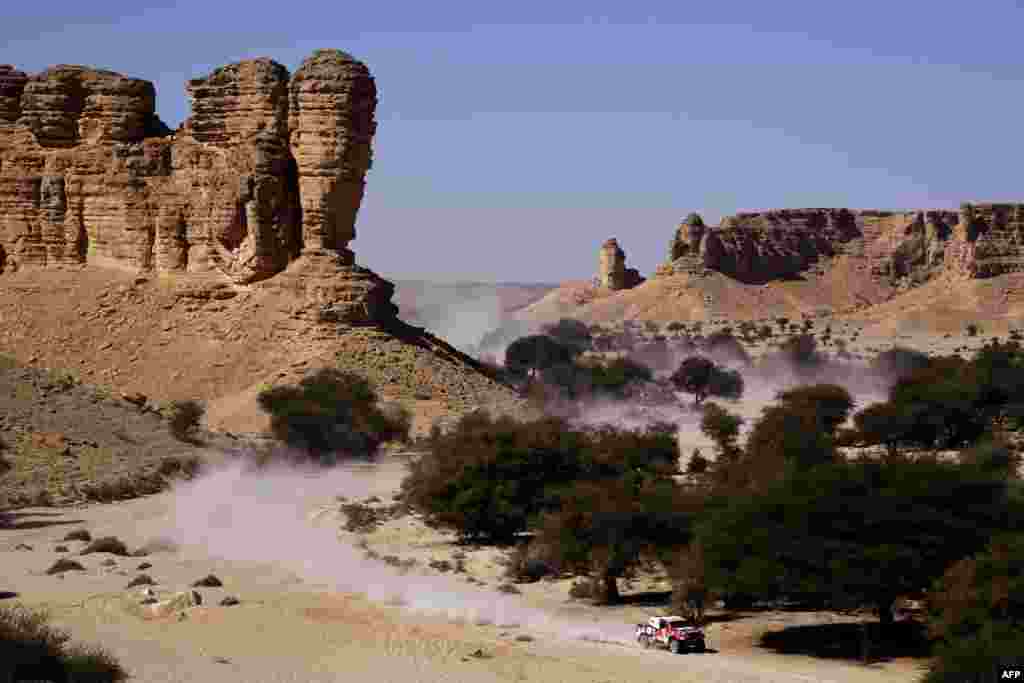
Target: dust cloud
(278,514)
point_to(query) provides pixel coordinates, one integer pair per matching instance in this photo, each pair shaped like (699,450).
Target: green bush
(570,333)
(332,412)
(31,649)
(976,613)
(489,477)
(703,378)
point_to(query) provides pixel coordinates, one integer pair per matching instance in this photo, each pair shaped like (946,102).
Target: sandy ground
(304,618)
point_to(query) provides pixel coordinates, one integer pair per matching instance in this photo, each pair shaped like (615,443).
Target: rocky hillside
(211,261)
(817,261)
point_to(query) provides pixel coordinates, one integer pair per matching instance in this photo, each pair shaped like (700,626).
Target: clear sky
(516,137)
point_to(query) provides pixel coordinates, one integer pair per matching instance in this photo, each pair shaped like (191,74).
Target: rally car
(675,633)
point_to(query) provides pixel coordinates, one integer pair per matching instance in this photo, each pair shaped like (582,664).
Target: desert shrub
(360,518)
(187,466)
(78,535)
(443,566)
(30,649)
(972,330)
(106,544)
(184,418)
(64,565)
(331,411)
(141,580)
(509,589)
(676,326)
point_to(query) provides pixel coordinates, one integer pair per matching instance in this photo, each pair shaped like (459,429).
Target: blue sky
(514,138)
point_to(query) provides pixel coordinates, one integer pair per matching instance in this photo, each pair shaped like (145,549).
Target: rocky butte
(260,186)
(981,240)
(611,268)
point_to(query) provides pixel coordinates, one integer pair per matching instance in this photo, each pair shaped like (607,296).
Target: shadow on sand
(847,641)
(15,521)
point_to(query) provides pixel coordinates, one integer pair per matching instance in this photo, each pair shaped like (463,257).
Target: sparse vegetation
(30,650)
(78,535)
(702,378)
(65,565)
(106,544)
(332,412)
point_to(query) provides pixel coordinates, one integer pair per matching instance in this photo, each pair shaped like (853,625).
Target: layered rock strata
(269,170)
(988,240)
(611,268)
(981,240)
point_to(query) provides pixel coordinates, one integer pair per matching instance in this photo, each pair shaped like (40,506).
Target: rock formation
(261,184)
(988,240)
(611,268)
(758,247)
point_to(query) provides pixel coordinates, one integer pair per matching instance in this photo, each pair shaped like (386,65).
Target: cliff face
(987,241)
(266,175)
(980,241)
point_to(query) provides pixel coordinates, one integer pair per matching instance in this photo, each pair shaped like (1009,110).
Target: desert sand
(312,608)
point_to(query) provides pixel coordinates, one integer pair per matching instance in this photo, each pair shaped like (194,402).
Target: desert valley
(231,452)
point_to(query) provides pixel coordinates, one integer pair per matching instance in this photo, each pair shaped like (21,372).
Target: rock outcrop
(988,240)
(262,182)
(759,247)
(611,268)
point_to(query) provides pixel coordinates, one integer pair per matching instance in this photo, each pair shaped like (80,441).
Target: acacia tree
(331,411)
(570,333)
(861,532)
(976,612)
(602,529)
(535,353)
(701,377)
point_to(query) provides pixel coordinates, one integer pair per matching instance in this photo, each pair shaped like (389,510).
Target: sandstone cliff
(760,247)
(612,273)
(264,179)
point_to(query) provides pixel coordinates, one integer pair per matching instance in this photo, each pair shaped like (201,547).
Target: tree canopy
(864,532)
(701,377)
(535,353)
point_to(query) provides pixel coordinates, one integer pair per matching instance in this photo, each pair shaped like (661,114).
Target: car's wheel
(646,642)
(701,646)
(675,646)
